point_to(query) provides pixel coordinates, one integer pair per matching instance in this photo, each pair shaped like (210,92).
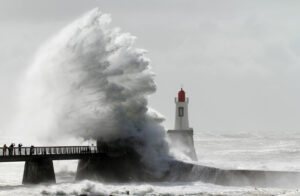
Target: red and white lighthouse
(181,137)
(181,114)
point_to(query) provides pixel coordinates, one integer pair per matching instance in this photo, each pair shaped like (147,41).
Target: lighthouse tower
(181,114)
(181,137)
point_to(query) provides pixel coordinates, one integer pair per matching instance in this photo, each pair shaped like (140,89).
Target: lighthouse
(181,138)
(181,114)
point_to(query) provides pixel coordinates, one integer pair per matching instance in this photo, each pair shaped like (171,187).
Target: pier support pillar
(107,169)
(39,171)
(112,167)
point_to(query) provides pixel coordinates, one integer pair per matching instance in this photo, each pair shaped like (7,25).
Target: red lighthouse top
(181,96)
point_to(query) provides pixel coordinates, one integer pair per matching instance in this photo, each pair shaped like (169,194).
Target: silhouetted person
(4,149)
(20,149)
(31,149)
(11,149)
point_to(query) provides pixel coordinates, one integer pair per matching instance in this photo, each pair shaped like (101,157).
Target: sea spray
(90,82)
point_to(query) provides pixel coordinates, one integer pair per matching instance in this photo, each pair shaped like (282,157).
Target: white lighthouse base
(183,141)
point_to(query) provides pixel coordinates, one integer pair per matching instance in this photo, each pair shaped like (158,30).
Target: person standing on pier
(31,150)
(4,149)
(11,149)
(20,148)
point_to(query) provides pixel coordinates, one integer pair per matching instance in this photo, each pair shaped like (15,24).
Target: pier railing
(47,150)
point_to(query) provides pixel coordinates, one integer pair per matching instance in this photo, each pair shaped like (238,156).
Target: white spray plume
(89,81)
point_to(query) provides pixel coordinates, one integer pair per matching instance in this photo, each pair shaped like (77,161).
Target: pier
(39,160)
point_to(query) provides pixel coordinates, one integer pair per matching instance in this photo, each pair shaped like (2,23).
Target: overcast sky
(237,60)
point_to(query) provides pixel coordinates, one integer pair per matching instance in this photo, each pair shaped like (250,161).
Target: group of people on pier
(19,150)
(12,150)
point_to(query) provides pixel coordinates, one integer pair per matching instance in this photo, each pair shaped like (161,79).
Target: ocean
(263,151)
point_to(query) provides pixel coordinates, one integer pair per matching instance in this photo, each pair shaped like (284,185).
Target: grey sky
(237,60)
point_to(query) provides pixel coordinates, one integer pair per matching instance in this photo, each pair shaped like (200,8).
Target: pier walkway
(50,152)
(39,160)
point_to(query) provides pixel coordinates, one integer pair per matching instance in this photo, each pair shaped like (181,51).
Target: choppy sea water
(232,151)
